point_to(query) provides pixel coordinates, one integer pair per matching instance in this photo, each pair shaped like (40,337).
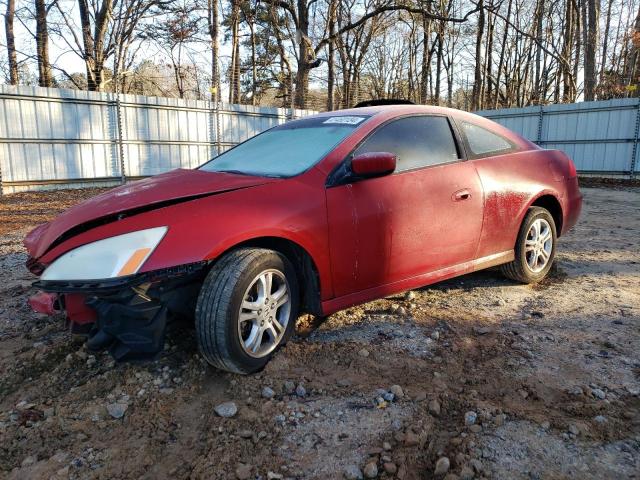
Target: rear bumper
(573,205)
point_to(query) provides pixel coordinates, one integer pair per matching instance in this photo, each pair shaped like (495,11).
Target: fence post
(540,120)
(123,176)
(634,150)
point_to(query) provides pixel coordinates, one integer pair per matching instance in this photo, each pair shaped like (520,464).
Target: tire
(520,269)
(237,276)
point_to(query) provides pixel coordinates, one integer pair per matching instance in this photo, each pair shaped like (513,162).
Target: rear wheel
(535,247)
(246,309)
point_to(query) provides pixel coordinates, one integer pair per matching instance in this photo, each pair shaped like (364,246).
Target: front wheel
(246,309)
(535,248)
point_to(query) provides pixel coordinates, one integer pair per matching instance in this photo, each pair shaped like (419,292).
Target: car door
(425,216)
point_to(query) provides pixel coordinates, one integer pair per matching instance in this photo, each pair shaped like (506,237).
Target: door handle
(460,195)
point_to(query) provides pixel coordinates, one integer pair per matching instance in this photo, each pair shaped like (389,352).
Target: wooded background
(328,54)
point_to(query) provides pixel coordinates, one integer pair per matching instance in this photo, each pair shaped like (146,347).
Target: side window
(482,141)
(417,141)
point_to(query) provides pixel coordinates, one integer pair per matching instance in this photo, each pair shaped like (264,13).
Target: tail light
(573,173)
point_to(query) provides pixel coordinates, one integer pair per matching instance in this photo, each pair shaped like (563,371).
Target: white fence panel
(601,137)
(52,138)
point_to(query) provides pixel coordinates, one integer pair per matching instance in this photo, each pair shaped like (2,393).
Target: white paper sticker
(344,120)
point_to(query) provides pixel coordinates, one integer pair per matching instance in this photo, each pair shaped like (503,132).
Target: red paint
(76,309)
(367,239)
(43,302)
(374,164)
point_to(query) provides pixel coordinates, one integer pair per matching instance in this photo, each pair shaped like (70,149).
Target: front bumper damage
(129,315)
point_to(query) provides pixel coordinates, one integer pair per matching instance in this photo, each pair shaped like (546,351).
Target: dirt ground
(506,381)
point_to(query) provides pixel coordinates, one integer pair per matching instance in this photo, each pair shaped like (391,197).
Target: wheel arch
(306,269)
(550,203)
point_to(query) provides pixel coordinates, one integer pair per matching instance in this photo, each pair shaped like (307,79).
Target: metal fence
(601,137)
(52,138)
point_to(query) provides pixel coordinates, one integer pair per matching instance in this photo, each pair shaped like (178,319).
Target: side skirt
(340,303)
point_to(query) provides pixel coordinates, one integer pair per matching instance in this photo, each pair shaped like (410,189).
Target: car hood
(154,192)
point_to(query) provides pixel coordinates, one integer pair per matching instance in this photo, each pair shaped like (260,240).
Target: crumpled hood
(158,190)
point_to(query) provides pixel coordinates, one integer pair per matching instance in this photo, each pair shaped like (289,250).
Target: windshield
(286,150)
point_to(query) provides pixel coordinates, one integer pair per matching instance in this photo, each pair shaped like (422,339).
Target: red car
(312,216)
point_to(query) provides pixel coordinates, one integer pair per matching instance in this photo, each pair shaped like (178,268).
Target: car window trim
(336,178)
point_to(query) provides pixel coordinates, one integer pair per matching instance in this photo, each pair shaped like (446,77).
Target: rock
(402,311)
(274,476)
(370,470)
(434,407)
(420,396)
(28,461)
(545,425)
(411,439)
(352,472)
(442,466)
(300,391)
(397,391)
(243,472)
(435,335)
(246,434)
(386,446)
(482,330)
(500,419)
(475,428)
(390,468)
(388,396)
(280,419)
(268,393)
(289,387)
(466,473)
(476,465)
(226,409)
(600,419)
(117,410)
(24,405)
(363,353)
(470,418)
(344,382)
(598,393)
(573,429)
(410,295)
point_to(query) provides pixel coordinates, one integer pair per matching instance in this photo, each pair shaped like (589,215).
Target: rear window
(484,142)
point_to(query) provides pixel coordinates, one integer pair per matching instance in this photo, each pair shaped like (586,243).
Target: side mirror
(373,164)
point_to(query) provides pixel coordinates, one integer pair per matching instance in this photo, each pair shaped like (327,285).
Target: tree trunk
(11,41)
(212,18)
(234,68)
(426,57)
(605,41)
(305,55)
(503,49)
(590,49)
(42,45)
(476,100)
(537,92)
(332,54)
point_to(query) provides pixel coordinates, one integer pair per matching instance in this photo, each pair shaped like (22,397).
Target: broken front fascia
(128,315)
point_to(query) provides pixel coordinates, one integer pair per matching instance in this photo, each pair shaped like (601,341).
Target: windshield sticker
(344,120)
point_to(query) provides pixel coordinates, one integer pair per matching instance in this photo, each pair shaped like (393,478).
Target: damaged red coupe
(311,216)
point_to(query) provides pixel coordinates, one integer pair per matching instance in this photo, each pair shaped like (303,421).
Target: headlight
(108,258)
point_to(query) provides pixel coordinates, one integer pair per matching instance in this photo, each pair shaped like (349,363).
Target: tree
(11,41)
